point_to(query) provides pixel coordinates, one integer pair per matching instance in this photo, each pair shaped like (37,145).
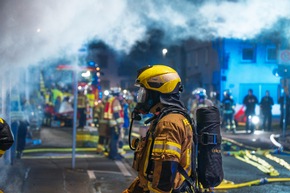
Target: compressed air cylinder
(209,159)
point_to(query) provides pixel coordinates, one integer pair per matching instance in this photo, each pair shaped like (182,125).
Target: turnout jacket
(169,142)
(6,137)
(113,112)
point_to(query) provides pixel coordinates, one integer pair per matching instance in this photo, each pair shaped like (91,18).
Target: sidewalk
(55,175)
(49,168)
(45,176)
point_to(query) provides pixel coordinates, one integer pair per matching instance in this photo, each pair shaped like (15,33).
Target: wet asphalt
(51,171)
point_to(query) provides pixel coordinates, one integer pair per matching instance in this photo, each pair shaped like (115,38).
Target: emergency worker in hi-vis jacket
(113,112)
(168,144)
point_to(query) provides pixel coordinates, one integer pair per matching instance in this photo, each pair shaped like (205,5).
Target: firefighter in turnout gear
(82,104)
(6,137)
(228,111)
(200,100)
(164,154)
(102,125)
(114,114)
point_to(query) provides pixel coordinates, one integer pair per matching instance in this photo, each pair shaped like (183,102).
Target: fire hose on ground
(230,185)
(259,163)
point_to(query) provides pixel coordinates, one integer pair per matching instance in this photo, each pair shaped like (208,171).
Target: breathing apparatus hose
(134,116)
(130,133)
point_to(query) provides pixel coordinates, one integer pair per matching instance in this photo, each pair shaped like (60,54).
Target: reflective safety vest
(112,106)
(91,99)
(55,94)
(82,101)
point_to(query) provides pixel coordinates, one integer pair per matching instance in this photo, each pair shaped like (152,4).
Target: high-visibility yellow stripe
(108,113)
(37,150)
(87,137)
(173,152)
(188,161)
(167,147)
(147,157)
(2,152)
(81,149)
(171,148)
(170,143)
(152,189)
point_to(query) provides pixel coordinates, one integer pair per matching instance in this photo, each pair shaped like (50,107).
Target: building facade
(234,64)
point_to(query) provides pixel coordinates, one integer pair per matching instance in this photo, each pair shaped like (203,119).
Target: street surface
(47,166)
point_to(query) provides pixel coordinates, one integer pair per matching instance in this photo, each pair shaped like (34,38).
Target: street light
(164,52)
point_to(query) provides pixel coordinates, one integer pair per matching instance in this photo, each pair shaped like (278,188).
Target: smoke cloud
(35,30)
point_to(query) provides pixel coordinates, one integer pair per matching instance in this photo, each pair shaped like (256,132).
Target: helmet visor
(141,95)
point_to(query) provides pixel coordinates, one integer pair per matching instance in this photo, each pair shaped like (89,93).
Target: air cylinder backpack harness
(207,170)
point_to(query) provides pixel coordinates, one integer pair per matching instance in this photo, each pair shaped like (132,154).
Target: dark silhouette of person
(250,102)
(228,111)
(266,110)
(284,110)
(21,137)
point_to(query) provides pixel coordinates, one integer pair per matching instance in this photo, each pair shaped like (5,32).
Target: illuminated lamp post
(164,52)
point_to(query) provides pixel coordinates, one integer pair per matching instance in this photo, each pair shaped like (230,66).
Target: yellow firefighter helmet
(159,78)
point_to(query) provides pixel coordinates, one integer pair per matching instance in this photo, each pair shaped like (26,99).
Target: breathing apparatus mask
(153,82)
(146,99)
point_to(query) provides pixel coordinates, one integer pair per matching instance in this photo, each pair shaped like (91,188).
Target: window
(248,51)
(248,54)
(271,54)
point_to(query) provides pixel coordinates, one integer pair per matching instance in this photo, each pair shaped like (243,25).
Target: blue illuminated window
(248,54)
(271,54)
(248,51)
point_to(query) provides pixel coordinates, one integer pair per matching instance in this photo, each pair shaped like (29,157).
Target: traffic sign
(284,57)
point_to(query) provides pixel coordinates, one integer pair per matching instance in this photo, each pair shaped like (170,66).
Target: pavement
(57,172)
(46,175)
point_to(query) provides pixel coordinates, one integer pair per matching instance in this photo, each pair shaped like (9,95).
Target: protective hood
(172,100)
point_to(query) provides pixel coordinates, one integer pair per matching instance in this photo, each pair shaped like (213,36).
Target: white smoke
(33,30)
(246,19)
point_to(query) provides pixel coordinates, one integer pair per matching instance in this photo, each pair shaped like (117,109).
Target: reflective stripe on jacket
(113,111)
(82,100)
